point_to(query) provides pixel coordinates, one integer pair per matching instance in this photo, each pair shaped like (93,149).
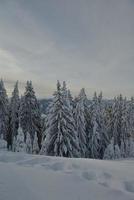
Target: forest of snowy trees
(71,127)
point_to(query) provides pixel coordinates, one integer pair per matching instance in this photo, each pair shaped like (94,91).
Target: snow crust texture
(33,177)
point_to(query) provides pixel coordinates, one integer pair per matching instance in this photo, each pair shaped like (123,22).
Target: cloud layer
(87,43)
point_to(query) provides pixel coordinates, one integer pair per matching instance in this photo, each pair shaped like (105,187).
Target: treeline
(72,127)
(19,112)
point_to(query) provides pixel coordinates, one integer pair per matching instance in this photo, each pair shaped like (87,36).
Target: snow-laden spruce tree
(20,144)
(125,127)
(131,143)
(14,144)
(70,123)
(4,112)
(70,98)
(28,143)
(123,149)
(80,121)
(112,151)
(131,116)
(117,119)
(95,140)
(120,124)
(35,144)
(61,139)
(105,137)
(101,118)
(117,153)
(3,143)
(14,113)
(92,112)
(30,116)
(115,125)
(109,151)
(98,137)
(43,125)
(87,117)
(130,147)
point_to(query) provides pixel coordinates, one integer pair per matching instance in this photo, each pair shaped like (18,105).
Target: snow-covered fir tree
(28,143)
(130,147)
(61,138)
(70,122)
(87,117)
(112,151)
(117,153)
(30,116)
(123,149)
(3,143)
(46,123)
(4,112)
(98,134)
(108,117)
(102,119)
(95,140)
(117,119)
(14,113)
(125,127)
(95,134)
(80,121)
(105,138)
(109,151)
(20,144)
(120,125)
(71,128)
(14,144)
(35,144)
(43,125)
(131,116)
(70,98)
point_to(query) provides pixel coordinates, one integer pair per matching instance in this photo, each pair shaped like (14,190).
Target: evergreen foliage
(4,112)
(30,116)
(97,128)
(20,144)
(61,138)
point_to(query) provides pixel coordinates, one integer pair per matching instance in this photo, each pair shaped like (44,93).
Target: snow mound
(33,177)
(3,144)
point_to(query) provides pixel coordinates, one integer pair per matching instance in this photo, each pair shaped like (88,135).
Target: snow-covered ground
(28,177)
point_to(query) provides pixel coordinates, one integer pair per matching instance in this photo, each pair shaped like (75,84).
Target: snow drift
(33,177)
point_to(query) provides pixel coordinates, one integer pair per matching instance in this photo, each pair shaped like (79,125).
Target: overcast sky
(88,43)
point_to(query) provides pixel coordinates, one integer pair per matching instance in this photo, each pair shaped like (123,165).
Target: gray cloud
(87,43)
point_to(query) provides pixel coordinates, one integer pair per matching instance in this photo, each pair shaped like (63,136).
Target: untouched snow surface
(28,177)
